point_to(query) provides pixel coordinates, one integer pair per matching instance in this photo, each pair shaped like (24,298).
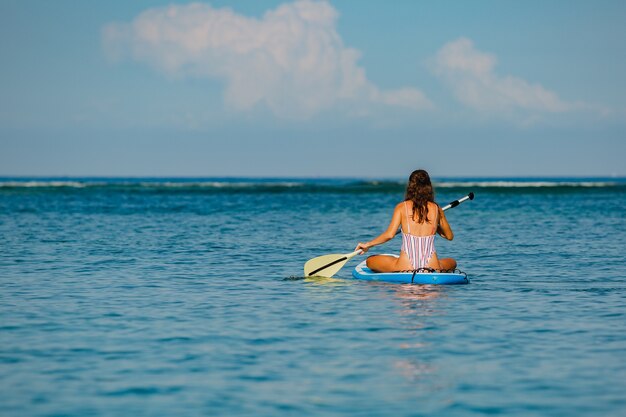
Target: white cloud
(470,75)
(292,59)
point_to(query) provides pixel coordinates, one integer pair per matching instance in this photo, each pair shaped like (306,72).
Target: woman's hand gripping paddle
(328,265)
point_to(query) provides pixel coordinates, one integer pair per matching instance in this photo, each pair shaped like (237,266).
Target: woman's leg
(382,263)
(447,263)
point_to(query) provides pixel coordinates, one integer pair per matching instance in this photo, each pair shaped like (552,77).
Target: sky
(344,88)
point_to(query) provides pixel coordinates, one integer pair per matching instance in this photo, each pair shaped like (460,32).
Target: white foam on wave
(147,184)
(44,184)
(213,184)
(219,184)
(524,184)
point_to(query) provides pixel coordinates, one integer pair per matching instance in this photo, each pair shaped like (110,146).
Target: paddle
(328,265)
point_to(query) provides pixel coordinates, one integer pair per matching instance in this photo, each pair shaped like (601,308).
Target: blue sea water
(185,297)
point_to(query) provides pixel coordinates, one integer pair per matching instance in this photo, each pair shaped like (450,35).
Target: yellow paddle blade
(328,265)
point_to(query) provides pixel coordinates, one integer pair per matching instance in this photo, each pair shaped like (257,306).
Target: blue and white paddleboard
(431,278)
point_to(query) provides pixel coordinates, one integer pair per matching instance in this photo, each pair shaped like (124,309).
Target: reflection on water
(410,292)
(416,345)
(324,281)
(414,370)
(414,300)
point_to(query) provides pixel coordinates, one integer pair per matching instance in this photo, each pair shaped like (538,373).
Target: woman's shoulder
(409,205)
(400,205)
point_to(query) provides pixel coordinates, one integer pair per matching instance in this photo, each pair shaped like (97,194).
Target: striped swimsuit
(419,248)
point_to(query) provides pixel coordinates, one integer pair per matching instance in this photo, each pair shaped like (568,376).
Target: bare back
(426,228)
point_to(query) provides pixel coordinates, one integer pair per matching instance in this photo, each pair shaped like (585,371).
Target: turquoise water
(170,297)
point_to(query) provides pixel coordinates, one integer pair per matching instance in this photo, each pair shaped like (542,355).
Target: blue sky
(306,88)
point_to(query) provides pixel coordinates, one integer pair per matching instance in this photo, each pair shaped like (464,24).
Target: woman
(420,218)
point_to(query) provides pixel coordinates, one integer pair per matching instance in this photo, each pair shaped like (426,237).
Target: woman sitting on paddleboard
(420,218)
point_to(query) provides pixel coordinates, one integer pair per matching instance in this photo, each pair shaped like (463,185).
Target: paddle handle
(455,203)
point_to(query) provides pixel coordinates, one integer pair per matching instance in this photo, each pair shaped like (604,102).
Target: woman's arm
(443,228)
(387,235)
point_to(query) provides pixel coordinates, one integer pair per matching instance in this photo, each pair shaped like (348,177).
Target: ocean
(185,297)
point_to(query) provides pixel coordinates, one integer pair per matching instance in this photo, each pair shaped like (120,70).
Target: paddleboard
(427,278)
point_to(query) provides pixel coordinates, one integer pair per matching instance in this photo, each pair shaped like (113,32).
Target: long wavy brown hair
(419,190)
